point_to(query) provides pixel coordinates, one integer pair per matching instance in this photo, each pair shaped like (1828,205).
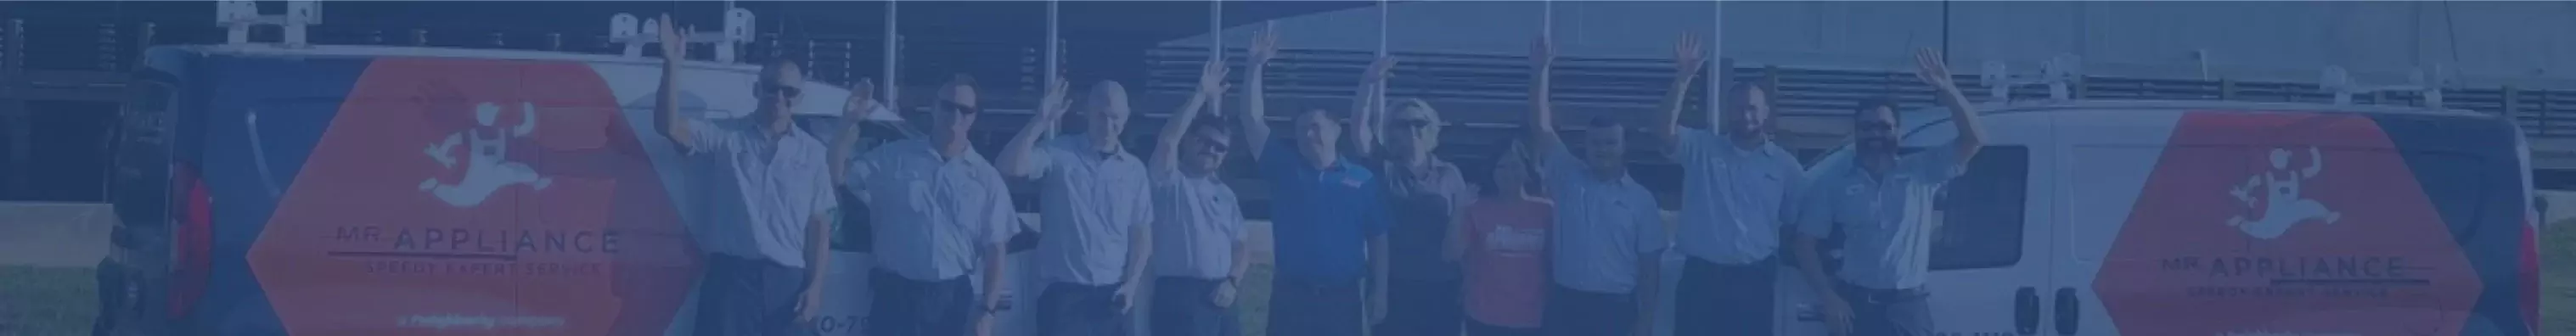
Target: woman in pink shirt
(1505,250)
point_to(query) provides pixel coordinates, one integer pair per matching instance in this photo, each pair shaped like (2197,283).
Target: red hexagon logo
(2284,224)
(476,197)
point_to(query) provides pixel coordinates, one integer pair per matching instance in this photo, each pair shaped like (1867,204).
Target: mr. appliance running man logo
(2274,197)
(487,168)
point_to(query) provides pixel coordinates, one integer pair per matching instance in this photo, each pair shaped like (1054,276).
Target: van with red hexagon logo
(2223,218)
(367,190)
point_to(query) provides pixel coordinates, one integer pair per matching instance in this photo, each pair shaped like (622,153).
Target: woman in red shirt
(1505,251)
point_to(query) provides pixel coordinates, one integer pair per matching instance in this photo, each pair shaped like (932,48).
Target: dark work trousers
(1416,307)
(1187,307)
(907,307)
(1572,312)
(1724,299)
(1481,329)
(744,296)
(1888,312)
(1070,309)
(1306,309)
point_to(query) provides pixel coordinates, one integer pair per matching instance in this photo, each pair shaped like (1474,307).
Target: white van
(2224,218)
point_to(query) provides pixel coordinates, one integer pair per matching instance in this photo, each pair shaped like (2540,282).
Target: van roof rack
(634,34)
(2058,74)
(238,16)
(2340,82)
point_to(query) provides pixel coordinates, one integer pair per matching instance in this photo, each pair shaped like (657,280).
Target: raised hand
(675,43)
(1689,55)
(1265,46)
(1212,76)
(1543,52)
(1929,67)
(1054,104)
(1380,70)
(862,102)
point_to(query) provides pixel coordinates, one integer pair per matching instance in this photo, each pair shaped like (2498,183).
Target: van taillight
(193,242)
(2531,275)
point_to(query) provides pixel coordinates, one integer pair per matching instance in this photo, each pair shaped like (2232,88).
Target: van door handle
(2026,311)
(2067,310)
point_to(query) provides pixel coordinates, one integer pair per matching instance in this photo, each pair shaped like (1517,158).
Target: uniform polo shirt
(1197,224)
(1885,219)
(1602,226)
(934,214)
(1733,199)
(767,189)
(1088,203)
(1321,219)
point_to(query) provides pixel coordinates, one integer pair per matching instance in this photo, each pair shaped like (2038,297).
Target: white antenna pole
(1054,54)
(1216,29)
(1716,51)
(891,83)
(1382,13)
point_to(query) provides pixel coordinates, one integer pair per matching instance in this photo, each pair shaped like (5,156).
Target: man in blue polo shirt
(1325,217)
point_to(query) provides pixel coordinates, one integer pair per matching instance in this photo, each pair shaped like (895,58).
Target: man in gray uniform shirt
(1735,186)
(940,212)
(767,232)
(1610,231)
(1881,204)
(1198,224)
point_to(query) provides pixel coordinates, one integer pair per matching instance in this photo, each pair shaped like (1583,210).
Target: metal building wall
(2484,43)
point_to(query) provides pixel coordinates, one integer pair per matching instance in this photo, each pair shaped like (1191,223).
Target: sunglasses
(961,109)
(1414,123)
(784,91)
(1874,126)
(1213,146)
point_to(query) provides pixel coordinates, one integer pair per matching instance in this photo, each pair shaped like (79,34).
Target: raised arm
(1542,120)
(1687,59)
(1016,161)
(1368,108)
(854,117)
(666,106)
(1936,73)
(1256,132)
(1167,145)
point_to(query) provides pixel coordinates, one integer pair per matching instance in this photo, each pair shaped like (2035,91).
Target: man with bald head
(940,213)
(769,217)
(1095,204)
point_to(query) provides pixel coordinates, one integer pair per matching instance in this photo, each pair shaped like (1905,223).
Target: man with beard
(1198,224)
(1882,204)
(1735,186)
(768,238)
(1609,229)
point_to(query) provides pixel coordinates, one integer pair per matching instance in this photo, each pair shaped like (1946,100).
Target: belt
(1881,296)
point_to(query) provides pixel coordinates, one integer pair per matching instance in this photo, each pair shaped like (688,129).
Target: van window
(1981,212)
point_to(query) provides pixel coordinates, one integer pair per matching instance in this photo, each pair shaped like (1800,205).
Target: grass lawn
(47,300)
(2558,284)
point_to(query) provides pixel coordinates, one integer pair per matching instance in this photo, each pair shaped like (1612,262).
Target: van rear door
(2308,223)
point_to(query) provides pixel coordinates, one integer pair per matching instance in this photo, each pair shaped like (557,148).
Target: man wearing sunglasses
(1198,225)
(766,230)
(1425,195)
(1881,206)
(940,213)
(1736,184)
